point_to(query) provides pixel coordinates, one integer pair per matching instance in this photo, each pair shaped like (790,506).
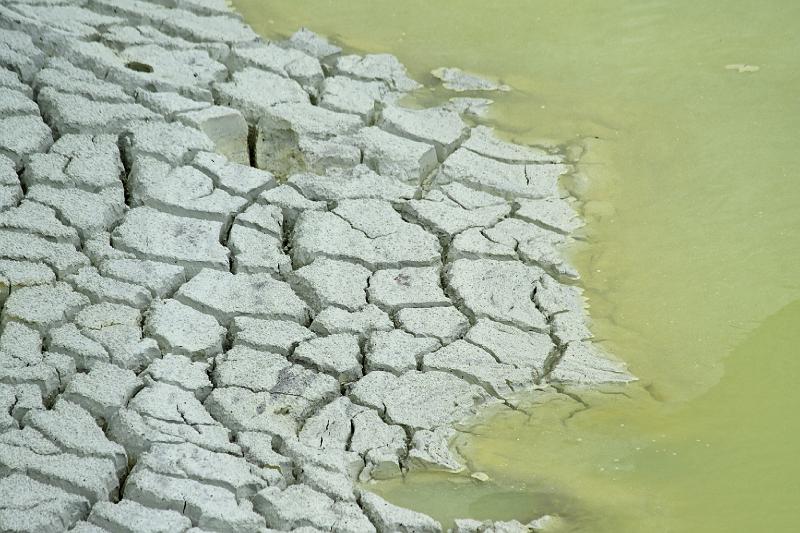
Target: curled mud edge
(238,279)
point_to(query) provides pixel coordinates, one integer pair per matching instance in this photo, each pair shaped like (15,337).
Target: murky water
(693,265)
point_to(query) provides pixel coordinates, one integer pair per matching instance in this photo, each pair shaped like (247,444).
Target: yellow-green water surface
(692,264)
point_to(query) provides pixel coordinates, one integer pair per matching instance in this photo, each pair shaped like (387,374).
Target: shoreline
(249,276)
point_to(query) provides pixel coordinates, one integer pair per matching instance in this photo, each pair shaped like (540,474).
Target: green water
(692,263)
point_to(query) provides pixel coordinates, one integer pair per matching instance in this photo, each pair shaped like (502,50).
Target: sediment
(238,279)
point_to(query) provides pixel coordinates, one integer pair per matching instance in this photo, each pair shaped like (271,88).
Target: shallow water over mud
(690,114)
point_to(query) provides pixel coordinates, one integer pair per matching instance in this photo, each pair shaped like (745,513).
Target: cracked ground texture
(237,278)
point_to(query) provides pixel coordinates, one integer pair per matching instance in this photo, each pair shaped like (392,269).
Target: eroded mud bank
(237,277)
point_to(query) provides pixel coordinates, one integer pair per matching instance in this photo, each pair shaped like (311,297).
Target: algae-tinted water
(693,260)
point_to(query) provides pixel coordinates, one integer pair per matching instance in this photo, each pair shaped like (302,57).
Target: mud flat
(239,280)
